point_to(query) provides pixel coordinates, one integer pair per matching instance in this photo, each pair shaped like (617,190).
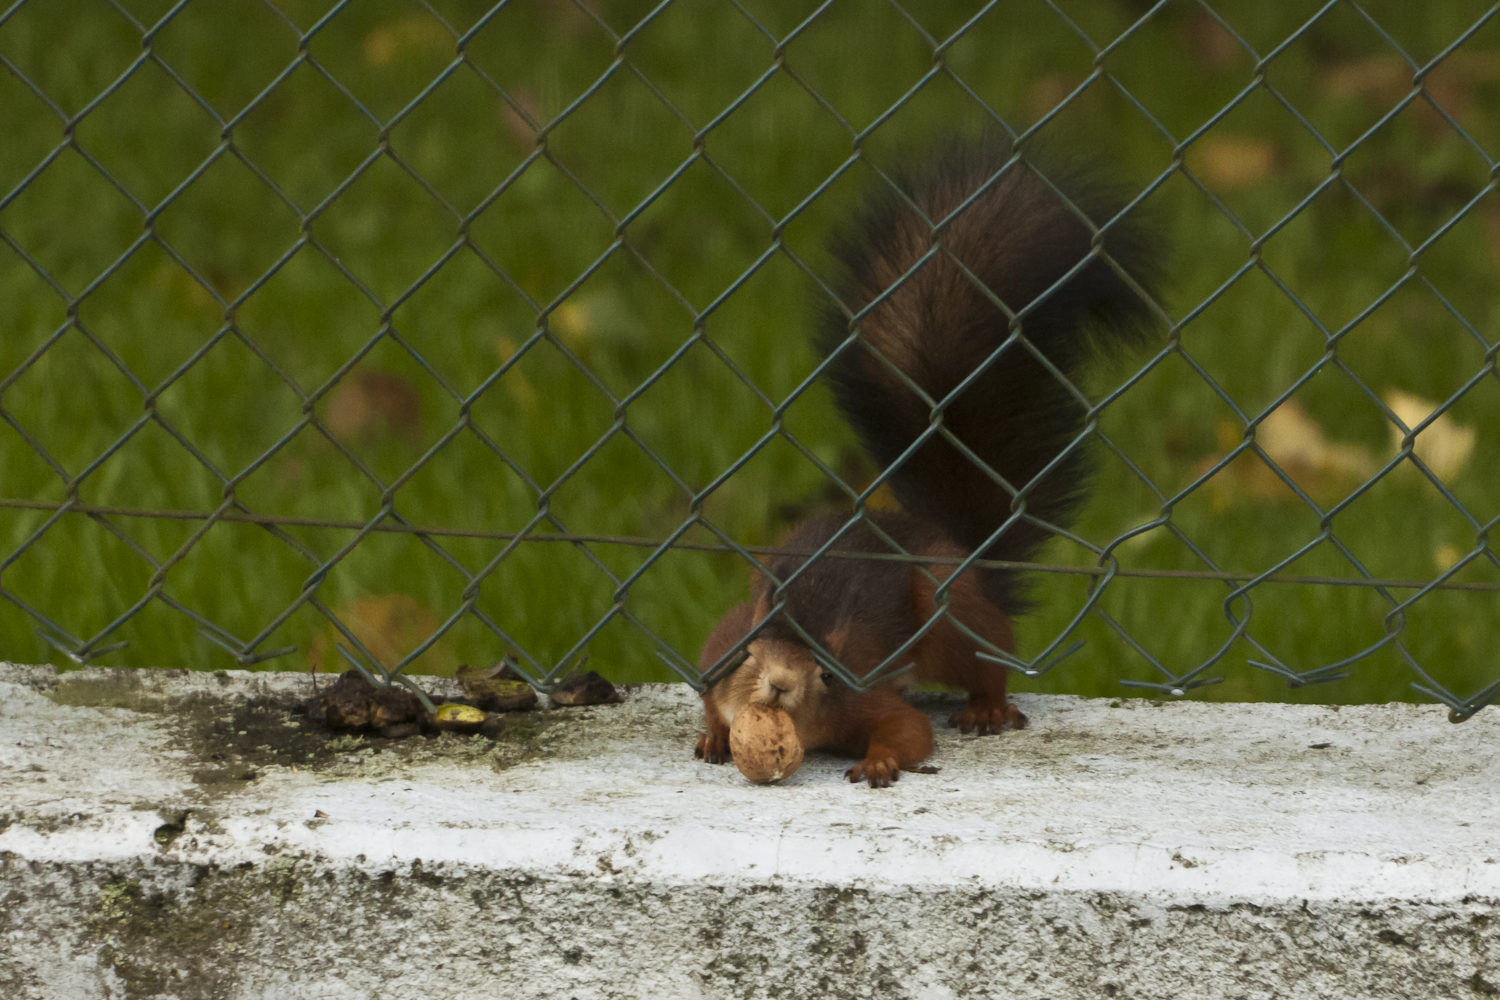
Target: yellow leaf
(1300,448)
(415,33)
(515,381)
(1443,445)
(1446,555)
(1293,438)
(1227,162)
(572,322)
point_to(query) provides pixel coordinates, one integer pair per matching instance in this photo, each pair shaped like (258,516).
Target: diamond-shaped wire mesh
(406,332)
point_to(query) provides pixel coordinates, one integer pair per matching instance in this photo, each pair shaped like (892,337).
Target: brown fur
(938,322)
(861,616)
(878,726)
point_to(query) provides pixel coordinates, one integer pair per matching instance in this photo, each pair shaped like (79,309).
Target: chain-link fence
(410,333)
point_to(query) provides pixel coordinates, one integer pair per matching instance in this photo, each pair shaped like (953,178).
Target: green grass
(226,343)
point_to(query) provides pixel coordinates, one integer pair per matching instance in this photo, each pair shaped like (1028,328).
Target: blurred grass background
(195,232)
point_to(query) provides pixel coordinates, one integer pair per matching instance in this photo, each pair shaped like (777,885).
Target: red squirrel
(1024,245)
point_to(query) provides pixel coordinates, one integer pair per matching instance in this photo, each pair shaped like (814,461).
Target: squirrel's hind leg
(983,717)
(948,655)
(988,710)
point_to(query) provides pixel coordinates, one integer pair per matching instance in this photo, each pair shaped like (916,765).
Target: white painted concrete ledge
(172,834)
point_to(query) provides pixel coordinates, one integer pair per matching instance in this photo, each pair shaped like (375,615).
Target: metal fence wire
(410,332)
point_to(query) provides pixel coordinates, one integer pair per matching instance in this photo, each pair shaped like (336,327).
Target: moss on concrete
(232,742)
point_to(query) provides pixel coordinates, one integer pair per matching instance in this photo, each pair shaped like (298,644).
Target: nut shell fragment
(452,717)
(496,689)
(764,744)
(354,703)
(586,689)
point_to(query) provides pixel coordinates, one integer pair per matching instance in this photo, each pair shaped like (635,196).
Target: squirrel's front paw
(878,771)
(984,719)
(713,747)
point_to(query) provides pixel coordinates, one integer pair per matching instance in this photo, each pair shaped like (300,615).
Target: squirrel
(923,265)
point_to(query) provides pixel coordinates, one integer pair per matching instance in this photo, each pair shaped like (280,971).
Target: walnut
(764,743)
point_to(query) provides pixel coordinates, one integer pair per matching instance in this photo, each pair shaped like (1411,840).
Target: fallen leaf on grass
(1386,80)
(389,626)
(366,404)
(515,381)
(1444,445)
(1293,438)
(1326,470)
(1446,555)
(1211,42)
(1226,162)
(518,117)
(574,322)
(1290,437)
(416,33)
(1048,92)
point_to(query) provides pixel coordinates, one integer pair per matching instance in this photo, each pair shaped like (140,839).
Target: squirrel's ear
(836,641)
(762,607)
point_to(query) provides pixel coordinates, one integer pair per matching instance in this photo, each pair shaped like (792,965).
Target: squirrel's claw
(986,719)
(879,773)
(713,747)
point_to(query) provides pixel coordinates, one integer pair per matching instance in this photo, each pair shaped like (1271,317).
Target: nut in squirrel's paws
(878,772)
(712,747)
(983,720)
(764,743)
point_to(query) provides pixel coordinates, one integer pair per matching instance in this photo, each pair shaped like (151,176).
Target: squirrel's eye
(827,678)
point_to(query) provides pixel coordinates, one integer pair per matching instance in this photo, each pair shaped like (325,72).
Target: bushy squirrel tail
(1001,236)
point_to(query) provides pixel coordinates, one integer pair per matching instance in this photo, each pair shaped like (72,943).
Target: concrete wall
(165,834)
